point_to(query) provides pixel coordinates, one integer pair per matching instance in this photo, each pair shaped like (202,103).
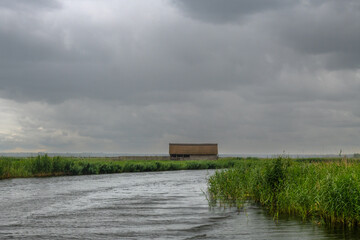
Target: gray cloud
(25,5)
(330,30)
(43,69)
(217,11)
(98,78)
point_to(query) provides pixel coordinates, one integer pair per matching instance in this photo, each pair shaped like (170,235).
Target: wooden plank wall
(193,149)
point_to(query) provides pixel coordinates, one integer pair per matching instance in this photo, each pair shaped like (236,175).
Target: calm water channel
(158,205)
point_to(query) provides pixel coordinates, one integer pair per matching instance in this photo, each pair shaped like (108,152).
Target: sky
(254,76)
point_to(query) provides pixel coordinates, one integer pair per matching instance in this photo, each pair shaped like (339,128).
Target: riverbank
(45,166)
(326,191)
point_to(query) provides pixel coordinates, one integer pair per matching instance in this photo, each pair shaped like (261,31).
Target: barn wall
(193,149)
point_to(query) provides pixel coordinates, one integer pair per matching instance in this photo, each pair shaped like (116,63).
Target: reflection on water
(157,205)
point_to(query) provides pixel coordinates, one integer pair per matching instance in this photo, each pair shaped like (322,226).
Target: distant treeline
(326,191)
(42,166)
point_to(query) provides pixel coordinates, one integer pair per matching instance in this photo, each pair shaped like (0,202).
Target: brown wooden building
(193,151)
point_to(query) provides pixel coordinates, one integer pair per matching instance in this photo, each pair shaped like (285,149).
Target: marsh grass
(326,192)
(41,166)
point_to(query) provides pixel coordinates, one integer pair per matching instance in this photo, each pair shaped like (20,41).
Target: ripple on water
(157,205)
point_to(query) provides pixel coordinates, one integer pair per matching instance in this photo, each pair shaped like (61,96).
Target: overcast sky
(255,76)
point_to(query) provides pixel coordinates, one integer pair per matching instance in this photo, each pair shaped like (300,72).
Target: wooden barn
(193,151)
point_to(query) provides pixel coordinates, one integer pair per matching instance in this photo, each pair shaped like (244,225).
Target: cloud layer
(131,76)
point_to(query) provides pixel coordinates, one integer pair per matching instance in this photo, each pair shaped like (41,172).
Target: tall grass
(54,166)
(327,192)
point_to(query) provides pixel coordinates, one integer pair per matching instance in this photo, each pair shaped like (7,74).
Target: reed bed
(43,166)
(324,191)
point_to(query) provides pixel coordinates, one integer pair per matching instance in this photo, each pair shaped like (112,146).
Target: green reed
(326,192)
(42,166)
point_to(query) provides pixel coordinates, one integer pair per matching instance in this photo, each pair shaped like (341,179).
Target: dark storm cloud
(45,67)
(218,11)
(131,76)
(330,29)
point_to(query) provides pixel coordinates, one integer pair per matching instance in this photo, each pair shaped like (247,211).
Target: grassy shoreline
(45,166)
(326,191)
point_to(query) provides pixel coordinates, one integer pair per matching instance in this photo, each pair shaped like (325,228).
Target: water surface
(156,205)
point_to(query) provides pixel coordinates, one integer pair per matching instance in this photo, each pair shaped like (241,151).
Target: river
(154,205)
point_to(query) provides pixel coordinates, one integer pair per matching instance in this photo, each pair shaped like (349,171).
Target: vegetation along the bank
(324,191)
(41,166)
